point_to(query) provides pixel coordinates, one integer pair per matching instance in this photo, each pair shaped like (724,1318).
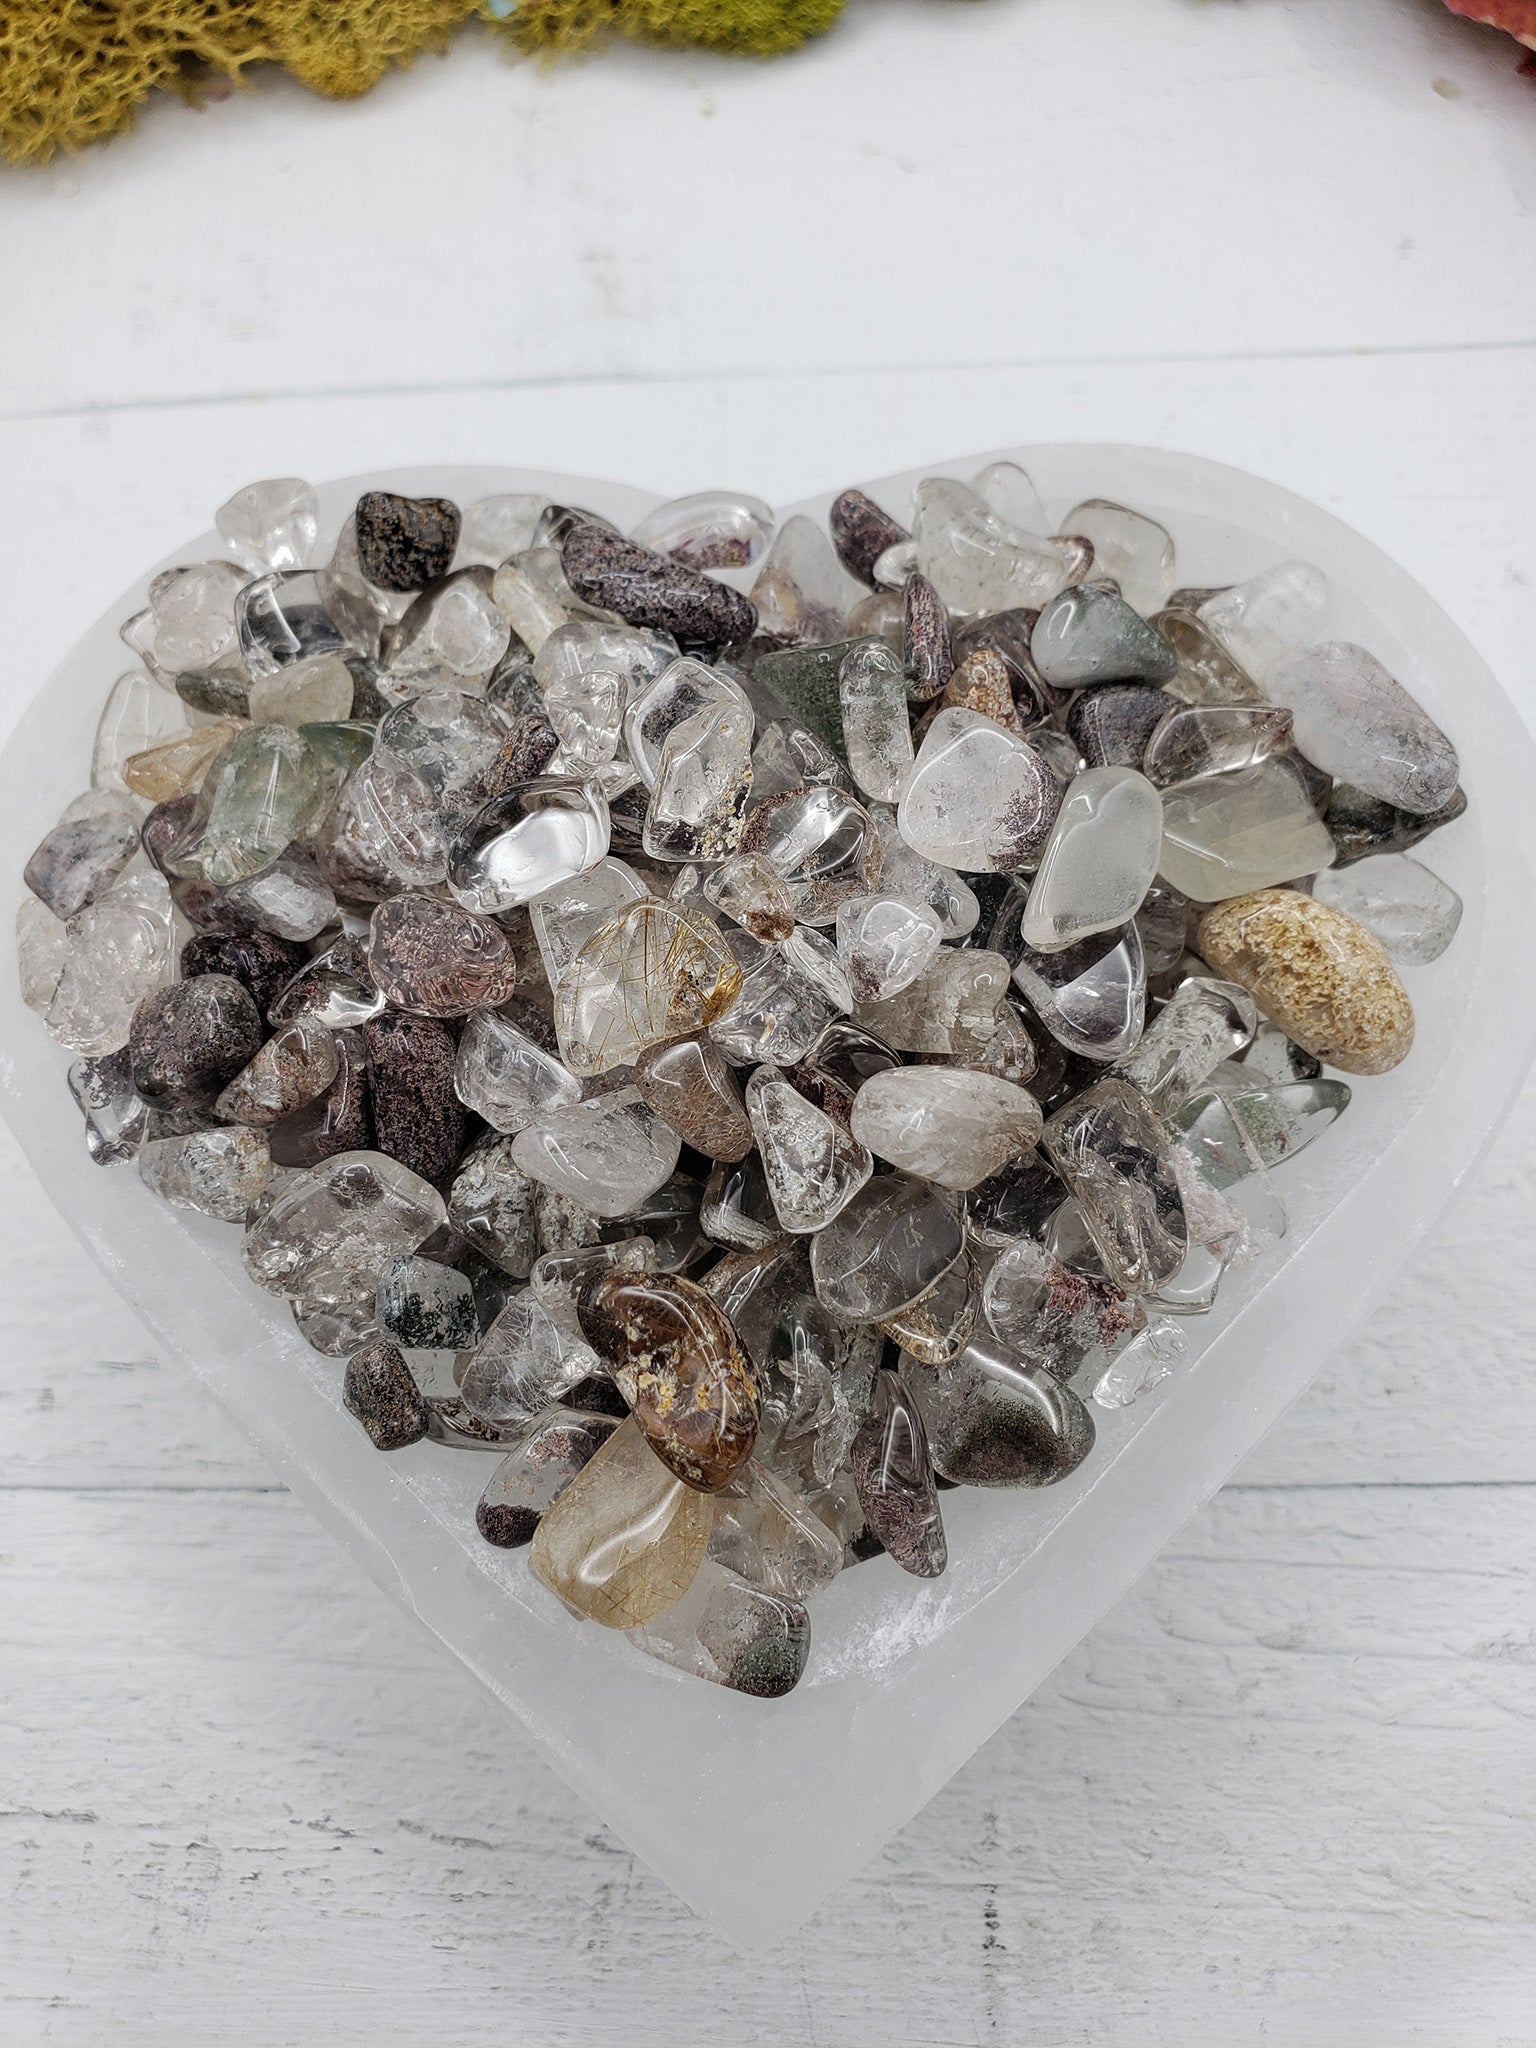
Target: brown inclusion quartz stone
(674,1357)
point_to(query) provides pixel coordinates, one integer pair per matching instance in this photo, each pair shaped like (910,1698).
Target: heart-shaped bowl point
(753,1811)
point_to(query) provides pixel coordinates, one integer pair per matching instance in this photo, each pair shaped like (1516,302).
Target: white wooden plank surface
(1285,1792)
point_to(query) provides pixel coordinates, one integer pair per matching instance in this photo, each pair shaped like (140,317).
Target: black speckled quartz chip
(403,543)
(380,1392)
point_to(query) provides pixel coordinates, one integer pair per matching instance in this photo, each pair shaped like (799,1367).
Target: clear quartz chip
(502,1074)
(994,1419)
(824,844)
(1117,1159)
(497,528)
(1099,860)
(138,715)
(267,789)
(1197,740)
(876,727)
(329,1230)
(195,611)
(42,940)
(892,1244)
(975,558)
(492,1205)
(1134,550)
(1228,834)
(893,1471)
(703,779)
(886,943)
(945,1124)
(802,592)
(524,1362)
(80,859)
(1204,1022)
(271,525)
(117,950)
(979,798)
(658,703)
(1411,911)
(521,844)
(950,1008)
(1264,622)
(1011,492)
(709,530)
(1355,721)
(813,1167)
(1092,996)
(608,1153)
(218,1173)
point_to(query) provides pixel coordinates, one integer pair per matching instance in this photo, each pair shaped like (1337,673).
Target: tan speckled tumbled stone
(1316,972)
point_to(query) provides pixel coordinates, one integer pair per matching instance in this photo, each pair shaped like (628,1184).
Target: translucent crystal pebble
(824,845)
(116,1117)
(816,961)
(1007,635)
(338,1120)
(709,530)
(950,1008)
(1203,1023)
(1110,726)
(189,1041)
(906,873)
(379,1390)
(649,589)
(1356,722)
(938,1326)
(588,673)
(877,731)
(437,959)
(1010,490)
(893,1243)
(1411,911)
(137,715)
(531,1478)
(329,1230)
(194,615)
(778,1010)
(117,950)
(452,635)
(625,1539)
(265,790)
(813,1167)
(1051,1314)
(995,1419)
(1117,1159)
(1317,973)
(650,974)
(1198,740)
(568,913)
(880,616)
(491,1205)
(977,559)
(703,780)
(658,702)
(273,524)
(1090,635)
(559,1277)
(521,844)
(1099,861)
(886,943)
(403,542)
(84,854)
(1228,834)
(180,765)
(506,1077)
(893,1472)
(788,755)
(927,652)
(318,688)
(945,1124)
(689,1084)
(297,1063)
(497,527)
(1145,1363)
(381,833)
(291,898)
(1360,825)
(766,1534)
(334,1332)
(731,1633)
(1009,1054)
(1128,547)
(423,1306)
(1229,1204)
(334,990)
(803,593)
(417,1116)
(747,889)
(522,1364)
(1264,622)
(42,941)
(531,593)
(979,798)
(1208,676)
(816,1378)
(608,1154)
(1284,1117)
(217,1173)
(861,532)
(292,617)
(737,1209)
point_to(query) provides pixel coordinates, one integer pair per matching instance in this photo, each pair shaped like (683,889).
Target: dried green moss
(73,71)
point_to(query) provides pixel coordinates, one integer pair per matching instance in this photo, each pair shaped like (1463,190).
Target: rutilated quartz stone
(689,1083)
(1317,973)
(651,974)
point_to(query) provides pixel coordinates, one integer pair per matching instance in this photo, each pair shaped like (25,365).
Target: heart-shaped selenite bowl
(755,1810)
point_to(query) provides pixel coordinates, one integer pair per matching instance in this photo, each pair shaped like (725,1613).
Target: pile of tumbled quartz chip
(748,1027)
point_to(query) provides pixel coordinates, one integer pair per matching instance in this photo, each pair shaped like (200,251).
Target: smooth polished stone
(709,529)
(499,526)
(877,729)
(748,889)
(291,899)
(403,542)
(1017,1201)
(417,1117)
(1208,675)
(540,833)
(912,876)
(1228,834)
(218,1173)
(803,593)
(1197,740)
(894,1242)
(531,1478)
(194,611)
(448,737)
(565,916)
(190,1040)
(334,989)
(703,780)
(982,681)
(1229,1203)
(945,1124)
(1111,726)
(690,1084)
(1129,547)
(886,943)
(805,680)
(650,974)
(315,690)
(339,1120)
(260,961)
(1284,1117)
(1007,635)
(980,798)
(138,716)
(491,1205)
(588,673)
(506,1076)
(607,1154)
(939,1325)
(789,755)
(1264,622)
(674,1357)
(379,1390)
(1317,973)
(1090,635)
(297,1063)
(381,833)
(452,635)
(1203,1023)
(1413,913)
(767,1535)
(1051,1314)
(86,851)
(1091,997)
(1356,722)
(813,1167)
(893,1472)
(266,789)
(976,559)
(657,704)
(861,532)
(42,942)
(994,1419)
(558,1278)
(779,1009)
(1116,1157)
(649,589)
(1145,1363)
(737,1209)
(424,1306)
(328,1231)
(1011,492)
(1361,825)
(950,1008)
(741,1636)
(824,846)
(116,1118)
(1099,861)
(273,524)
(927,655)
(437,959)
(523,1363)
